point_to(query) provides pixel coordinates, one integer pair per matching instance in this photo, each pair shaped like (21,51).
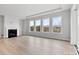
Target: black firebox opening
(12,33)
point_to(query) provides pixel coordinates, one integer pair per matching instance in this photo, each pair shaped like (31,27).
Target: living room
(46,29)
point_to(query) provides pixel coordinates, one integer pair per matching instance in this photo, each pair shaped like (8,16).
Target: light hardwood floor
(28,45)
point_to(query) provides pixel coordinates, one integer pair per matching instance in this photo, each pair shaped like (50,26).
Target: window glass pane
(57,23)
(32,25)
(46,25)
(37,24)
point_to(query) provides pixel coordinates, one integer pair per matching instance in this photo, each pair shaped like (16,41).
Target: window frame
(53,27)
(40,25)
(48,26)
(30,27)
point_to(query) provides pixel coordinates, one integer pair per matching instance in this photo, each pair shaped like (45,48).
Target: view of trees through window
(32,25)
(56,23)
(37,25)
(45,25)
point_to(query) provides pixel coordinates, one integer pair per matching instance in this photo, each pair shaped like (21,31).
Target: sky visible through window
(32,23)
(46,21)
(37,22)
(57,21)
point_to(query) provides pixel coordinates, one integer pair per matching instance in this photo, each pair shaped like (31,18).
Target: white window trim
(42,25)
(29,26)
(61,26)
(50,25)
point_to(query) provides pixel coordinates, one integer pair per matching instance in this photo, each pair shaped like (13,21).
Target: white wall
(74,24)
(66,27)
(1,25)
(78,27)
(11,22)
(22,27)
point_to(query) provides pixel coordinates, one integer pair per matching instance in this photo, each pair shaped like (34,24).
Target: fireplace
(12,33)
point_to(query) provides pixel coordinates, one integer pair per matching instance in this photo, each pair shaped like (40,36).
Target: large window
(45,25)
(56,24)
(37,25)
(32,25)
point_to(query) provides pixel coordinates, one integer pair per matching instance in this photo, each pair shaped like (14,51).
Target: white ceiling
(23,10)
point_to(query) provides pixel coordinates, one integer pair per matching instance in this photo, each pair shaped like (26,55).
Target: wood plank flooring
(28,45)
